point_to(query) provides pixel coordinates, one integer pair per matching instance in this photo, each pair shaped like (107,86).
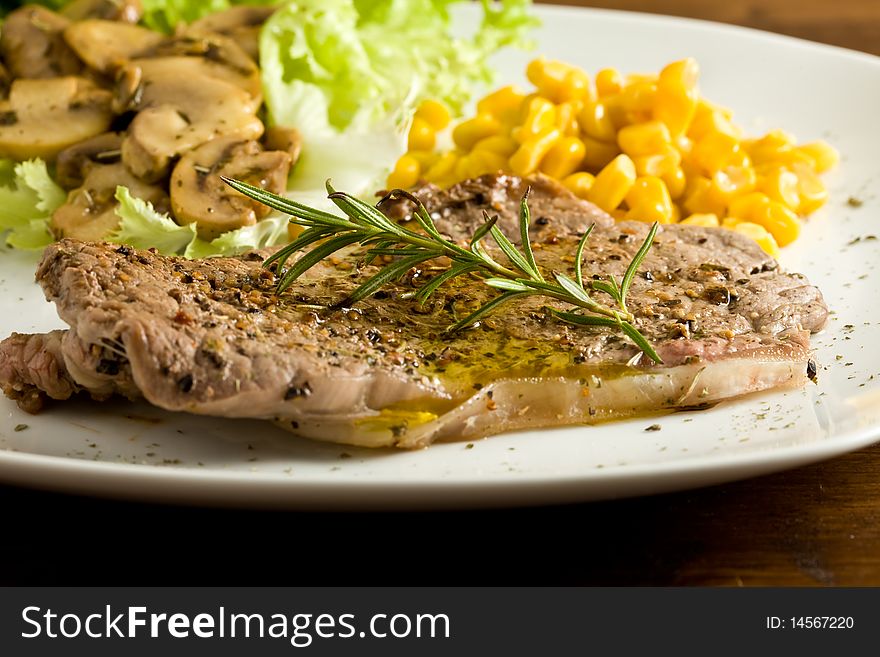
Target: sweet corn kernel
(579,183)
(566,117)
(676,182)
(528,156)
(596,123)
(677,96)
(616,112)
(557,81)
(613,183)
(810,189)
(467,133)
(421,136)
(659,149)
(708,119)
(598,154)
(760,235)
(609,81)
(648,200)
(780,184)
(664,161)
(503,104)
(434,114)
(538,117)
(294,231)
(732,181)
(779,221)
(749,206)
(483,161)
(701,198)
(500,144)
(774,147)
(563,158)
(714,151)
(706,220)
(405,174)
(443,167)
(644,138)
(638,99)
(823,155)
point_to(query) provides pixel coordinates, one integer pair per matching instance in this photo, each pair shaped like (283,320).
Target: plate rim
(188,486)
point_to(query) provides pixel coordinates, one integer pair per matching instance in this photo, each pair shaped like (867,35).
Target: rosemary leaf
(579,256)
(524,220)
(608,288)
(572,288)
(633,334)
(634,265)
(300,213)
(367,225)
(484,228)
(515,257)
(457,269)
(315,256)
(307,237)
(389,273)
(506,285)
(484,310)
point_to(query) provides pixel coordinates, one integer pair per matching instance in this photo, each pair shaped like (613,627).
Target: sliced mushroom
(199,196)
(33,46)
(74,163)
(206,53)
(5,81)
(106,45)
(43,117)
(282,138)
(179,110)
(242,24)
(90,211)
(126,11)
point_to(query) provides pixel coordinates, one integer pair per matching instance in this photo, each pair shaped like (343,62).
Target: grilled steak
(211,337)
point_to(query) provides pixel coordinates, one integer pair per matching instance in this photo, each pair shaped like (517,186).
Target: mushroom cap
(105,45)
(33,46)
(242,24)
(90,211)
(282,138)
(181,113)
(199,196)
(73,163)
(206,53)
(42,117)
(126,11)
(182,105)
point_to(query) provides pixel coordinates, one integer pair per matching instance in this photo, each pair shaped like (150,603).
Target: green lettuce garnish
(143,227)
(348,74)
(164,15)
(28,197)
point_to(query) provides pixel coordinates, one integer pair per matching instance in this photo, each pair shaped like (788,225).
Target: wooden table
(818,525)
(848,23)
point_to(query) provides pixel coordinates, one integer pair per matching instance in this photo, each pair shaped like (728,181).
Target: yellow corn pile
(642,147)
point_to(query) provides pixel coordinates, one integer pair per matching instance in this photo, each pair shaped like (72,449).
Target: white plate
(132,450)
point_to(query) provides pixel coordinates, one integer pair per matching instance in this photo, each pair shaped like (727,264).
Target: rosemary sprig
(366,225)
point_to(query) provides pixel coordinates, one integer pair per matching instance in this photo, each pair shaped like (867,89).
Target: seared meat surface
(211,337)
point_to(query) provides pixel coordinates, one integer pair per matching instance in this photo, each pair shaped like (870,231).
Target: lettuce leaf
(269,231)
(349,73)
(28,197)
(164,15)
(143,227)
